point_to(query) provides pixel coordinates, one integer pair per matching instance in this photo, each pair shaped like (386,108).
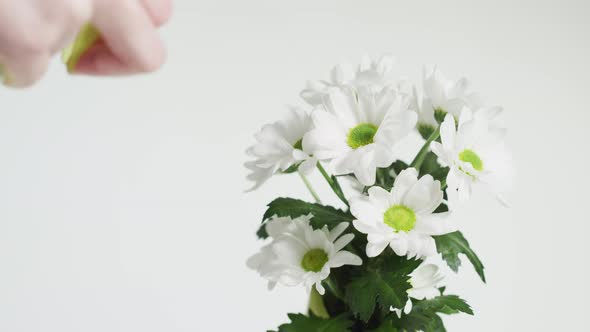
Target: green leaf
(431,166)
(384,178)
(398,166)
(418,320)
(446,304)
(384,283)
(437,325)
(292,169)
(387,326)
(425,314)
(290,207)
(451,245)
(302,323)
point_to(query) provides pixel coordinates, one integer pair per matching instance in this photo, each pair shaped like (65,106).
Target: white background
(122,204)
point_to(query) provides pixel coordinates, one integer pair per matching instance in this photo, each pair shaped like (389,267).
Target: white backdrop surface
(122,204)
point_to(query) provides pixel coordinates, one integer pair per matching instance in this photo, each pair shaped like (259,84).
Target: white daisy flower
(426,281)
(402,218)
(360,132)
(280,147)
(371,75)
(374,75)
(298,254)
(440,97)
(475,153)
(341,76)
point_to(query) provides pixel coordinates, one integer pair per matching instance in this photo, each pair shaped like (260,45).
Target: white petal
(345,258)
(408,307)
(308,166)
(365,212)
(424,196)
(435,224)
(338,230)
(343,241)
(424,293)
(320,288)
(443,157)
(428,247)
(363,226)
(448,131)
(271,285)
(256,260)
(404,181)
(342,74)
(398,312)
(380,198)
(400,246)
(344,106)
(366,170)
(258,175)
(376,248)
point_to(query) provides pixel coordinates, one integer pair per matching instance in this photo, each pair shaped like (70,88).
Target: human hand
(32,31)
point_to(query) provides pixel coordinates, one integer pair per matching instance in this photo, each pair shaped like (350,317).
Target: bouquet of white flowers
(357,124)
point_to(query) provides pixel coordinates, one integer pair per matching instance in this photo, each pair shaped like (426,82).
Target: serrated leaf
(418,320)
(382,285)
(302,323)
(290,207)
(446,304)
(425,314)
(437,325)
(387,326)
(451,245)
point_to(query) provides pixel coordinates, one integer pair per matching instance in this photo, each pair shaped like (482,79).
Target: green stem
(333,288)
(443,184)
(317,305)
(417,162)
(333,182)
(309,187)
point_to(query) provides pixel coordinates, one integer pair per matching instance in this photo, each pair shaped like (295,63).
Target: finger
(159,10)
(99,60)
(24,71)
(129,33)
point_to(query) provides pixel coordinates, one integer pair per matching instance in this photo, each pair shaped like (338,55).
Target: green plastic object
(85,39)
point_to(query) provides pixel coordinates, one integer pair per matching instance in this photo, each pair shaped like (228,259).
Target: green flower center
(314,260)
(299,144)
(400,218)
(471,157)
(361,135)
